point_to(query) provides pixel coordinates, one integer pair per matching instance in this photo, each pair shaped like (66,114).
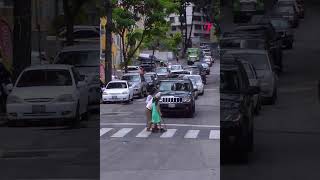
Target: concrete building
(199,20)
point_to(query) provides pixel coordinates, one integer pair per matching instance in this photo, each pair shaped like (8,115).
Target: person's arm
(158,107)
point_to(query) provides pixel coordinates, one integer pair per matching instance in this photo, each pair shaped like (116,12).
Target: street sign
(6,44)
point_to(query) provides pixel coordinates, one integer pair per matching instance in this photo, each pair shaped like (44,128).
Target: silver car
(264,68)
(198,82)
(137,82)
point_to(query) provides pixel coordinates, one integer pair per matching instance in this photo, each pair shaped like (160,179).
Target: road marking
(143,124)
(122,132)
(169,133)
(104,130)
(214,134)
(144,133)
(192,134)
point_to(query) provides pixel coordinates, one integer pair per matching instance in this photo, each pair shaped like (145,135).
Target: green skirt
(156,118)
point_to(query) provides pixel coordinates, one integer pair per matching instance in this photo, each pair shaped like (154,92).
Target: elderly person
(156,114)
(149,108)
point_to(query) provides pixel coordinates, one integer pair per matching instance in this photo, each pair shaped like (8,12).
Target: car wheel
(141,94)
(274,97)
(75,122)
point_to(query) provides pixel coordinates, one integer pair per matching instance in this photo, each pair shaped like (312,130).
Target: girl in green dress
(156,115)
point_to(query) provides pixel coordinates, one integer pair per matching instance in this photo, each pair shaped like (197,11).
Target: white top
(149,102)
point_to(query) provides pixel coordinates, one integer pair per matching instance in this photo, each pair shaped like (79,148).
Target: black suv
(177,95)
(236,105)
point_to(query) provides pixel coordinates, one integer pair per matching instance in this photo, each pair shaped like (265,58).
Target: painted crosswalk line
(104,131)
(122,132)
(192,134)
(169,133)
(214,134)
(144,133)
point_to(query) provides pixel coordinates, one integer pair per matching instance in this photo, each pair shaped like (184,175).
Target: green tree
(135,20)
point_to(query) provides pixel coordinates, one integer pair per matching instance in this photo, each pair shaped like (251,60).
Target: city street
(287,133)
(49,151)
(189,150)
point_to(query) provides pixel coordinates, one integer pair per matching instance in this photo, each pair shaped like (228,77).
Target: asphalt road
(50,151)
(287,133)
(189,150)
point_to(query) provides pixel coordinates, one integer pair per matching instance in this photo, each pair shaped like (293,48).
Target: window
(172,19)
(45,77)
(117,85)
(173,28)
(83,34)
(198,27)
(197,18)
(79,58)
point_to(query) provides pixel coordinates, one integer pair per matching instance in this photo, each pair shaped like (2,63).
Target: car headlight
(186,99)
(13,99)
(65,98)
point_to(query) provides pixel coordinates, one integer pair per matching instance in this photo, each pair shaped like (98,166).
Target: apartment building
(198,25)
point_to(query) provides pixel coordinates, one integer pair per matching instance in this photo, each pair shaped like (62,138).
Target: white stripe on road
(144,133)
(214,134)
(169,133)
(122,132)
(192,134)
(143,124)
(104,130)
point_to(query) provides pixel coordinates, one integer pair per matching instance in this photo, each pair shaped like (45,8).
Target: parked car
(282,27)
(163,72)
(151,82)
(208,60)
(117,91)
(137,82)
(177,96)
(176,67)
(265,71)
(48,92)
(297,8)
(289,13)
(236,106)
(85,59)
(155,76)
(132,69)
(199,84)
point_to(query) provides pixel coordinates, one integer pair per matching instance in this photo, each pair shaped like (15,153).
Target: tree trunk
(186,29)
(108,53)
(191,29)
(69,22)
(22,36)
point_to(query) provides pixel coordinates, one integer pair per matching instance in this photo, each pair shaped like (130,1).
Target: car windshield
(45,77)
(176,67)
(79,58)
(133,69)
(229,81)
(285,9)
(205,65)
(148,78)
(248,70)
(161,70)
(280,23)
(174,86)
(195,78)
(259,61)
(131,78)
(242,43)
(116,85)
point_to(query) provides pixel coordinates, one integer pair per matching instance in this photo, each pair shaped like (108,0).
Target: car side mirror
(254,90)
(9,87)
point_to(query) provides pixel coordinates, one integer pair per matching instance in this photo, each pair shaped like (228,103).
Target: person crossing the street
(156,114)
(149,109)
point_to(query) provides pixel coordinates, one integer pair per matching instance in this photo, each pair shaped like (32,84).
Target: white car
(117,91)
(197,79)
(176,67)
(48,92)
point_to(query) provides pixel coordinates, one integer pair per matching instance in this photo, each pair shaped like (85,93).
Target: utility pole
(108,51)
(22,36)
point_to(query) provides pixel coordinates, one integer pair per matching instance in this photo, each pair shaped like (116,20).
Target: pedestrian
(149,109)
(156,114)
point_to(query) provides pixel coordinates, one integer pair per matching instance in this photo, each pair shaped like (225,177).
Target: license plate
(172,105)
(38,108)
(114,97)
